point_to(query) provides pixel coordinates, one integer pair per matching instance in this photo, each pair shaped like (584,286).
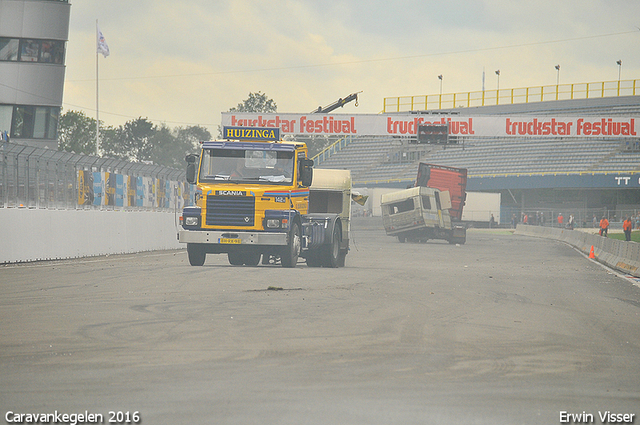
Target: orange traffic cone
(591,254)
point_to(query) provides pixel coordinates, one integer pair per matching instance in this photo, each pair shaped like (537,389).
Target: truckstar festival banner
(407,125)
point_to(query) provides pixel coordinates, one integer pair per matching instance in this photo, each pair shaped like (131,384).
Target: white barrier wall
(40,234)
(620,255)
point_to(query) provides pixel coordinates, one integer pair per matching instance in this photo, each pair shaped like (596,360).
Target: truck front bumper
(233,237)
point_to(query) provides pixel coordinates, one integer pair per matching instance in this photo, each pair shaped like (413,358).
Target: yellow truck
(258,197)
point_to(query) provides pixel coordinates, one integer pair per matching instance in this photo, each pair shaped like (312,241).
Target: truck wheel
(289,257)
(235,258)
(401,239)
(196,254)
(314,259)
(251,258)
(342,260)
(332,251)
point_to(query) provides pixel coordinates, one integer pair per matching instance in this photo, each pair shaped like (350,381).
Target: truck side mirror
(191,168)
(306,172)
(191,173)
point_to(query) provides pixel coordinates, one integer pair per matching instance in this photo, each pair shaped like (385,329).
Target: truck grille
(231,210)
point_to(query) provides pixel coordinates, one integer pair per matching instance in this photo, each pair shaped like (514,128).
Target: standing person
(492,222)
(525,219)
(595,221)
(627,226)
(571,222)
(513,221)
(604,227)
(560,220)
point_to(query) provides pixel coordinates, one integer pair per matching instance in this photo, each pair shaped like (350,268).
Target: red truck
(430,210)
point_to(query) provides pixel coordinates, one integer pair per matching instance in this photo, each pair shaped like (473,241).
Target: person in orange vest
(627,226)
(560,220)
(604,227)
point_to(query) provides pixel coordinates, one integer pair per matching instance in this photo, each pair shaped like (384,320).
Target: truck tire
(251,258)
(401,239)
(342,260)
(314,259)
(235,258)
(332,250)
(196,254)
(289,257)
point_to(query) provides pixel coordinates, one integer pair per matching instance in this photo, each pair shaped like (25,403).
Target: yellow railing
(331,149)
(510,96)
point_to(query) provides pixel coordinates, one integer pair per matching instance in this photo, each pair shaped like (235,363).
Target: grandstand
(481,157)
(517,166)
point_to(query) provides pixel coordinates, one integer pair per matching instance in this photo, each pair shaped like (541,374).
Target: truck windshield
(257,166)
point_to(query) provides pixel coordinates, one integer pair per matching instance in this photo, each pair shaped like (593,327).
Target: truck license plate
(230,240)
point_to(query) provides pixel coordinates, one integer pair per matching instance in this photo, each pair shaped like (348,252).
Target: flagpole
(97,101)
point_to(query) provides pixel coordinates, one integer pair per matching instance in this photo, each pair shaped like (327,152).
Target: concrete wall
(39,234)
(619,255)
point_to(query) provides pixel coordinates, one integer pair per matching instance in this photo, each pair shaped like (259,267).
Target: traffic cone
(591,254)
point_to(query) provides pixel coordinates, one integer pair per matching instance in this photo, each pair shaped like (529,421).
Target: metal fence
(32,177)
(583,217)
(511,96)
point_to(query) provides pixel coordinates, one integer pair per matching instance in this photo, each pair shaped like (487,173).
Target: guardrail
(32,177)
(511,96)
(619,255)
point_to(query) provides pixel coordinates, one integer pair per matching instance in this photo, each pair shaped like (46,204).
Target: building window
(34,122)
(6,111)
(52,52)
(31,50)
(9,49)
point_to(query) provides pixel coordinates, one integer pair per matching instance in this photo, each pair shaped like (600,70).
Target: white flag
(102,44)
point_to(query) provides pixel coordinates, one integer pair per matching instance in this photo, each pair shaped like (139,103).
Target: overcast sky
(184,62)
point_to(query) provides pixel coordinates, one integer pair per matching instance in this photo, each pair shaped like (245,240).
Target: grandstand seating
(369,158)
(378,159)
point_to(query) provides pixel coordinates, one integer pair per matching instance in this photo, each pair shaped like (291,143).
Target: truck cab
(431,209)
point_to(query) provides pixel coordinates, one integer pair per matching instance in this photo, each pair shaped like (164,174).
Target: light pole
(619,62)
(498,87)
(557,80)
(440,100)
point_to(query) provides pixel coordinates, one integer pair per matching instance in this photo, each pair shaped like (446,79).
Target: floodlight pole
(498,88)
(440,100)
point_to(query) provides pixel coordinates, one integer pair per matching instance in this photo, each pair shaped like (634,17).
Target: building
(33,41)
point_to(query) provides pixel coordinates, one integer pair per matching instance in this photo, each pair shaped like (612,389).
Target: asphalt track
(505,329)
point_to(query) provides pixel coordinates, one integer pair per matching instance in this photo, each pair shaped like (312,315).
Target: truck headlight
(191,221)
(273,223)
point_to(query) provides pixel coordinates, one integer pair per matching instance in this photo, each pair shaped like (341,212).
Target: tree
(132,141)
(136,140)
(77,133)
(171,146)
(192,137)
(256,102)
